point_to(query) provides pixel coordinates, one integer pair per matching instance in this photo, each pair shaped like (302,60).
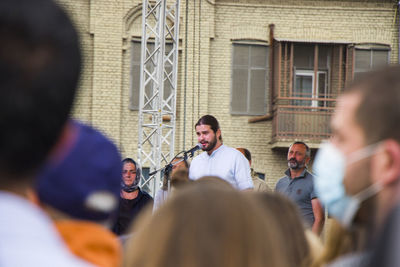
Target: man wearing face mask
(133,199)
(357,172)
(298,185)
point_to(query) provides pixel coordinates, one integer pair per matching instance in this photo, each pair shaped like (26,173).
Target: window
(249,79)
(261,175)
(308,82)
(304,87)
(135,74)
(370,57)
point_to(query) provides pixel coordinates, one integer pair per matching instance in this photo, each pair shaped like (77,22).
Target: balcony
(294,119)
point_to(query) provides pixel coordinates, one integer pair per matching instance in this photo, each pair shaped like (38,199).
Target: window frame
(250,68)
(314,91)
(371,49)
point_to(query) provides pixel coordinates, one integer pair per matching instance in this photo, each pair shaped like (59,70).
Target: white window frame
(314,92)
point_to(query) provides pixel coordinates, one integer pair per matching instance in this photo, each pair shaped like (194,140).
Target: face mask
(329,167)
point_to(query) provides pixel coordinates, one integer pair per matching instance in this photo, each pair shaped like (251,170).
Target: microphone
(193,149)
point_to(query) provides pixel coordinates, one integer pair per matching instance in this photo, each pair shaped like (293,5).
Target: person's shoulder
(230,149)
(282,181)
(233,152)
(260,185)
(283,178)
(309,174)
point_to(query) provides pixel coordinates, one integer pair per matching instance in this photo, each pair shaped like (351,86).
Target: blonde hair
(287,215)
(340,241)
(203,225)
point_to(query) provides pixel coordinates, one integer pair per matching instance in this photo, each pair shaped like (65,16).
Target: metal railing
(293,121)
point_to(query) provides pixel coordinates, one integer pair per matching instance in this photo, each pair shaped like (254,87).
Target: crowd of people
(68,199)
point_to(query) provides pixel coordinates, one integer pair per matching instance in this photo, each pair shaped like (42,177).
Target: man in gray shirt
(298,185)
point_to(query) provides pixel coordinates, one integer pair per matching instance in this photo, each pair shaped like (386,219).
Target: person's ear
(218,133)
(385,165)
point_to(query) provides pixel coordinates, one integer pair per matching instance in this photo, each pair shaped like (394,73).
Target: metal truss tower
(158,83)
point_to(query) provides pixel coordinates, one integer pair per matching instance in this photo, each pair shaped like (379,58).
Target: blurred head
(179,164)
(246,153)
(85,183)
(366,116)
(286,214)
(208,133)
(179,172)
(298,156)
(130,175)
(339,242)
(214,181)
(40,63)
(205,226)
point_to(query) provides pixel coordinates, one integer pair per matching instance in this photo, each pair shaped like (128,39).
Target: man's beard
(211,144)
(294,164)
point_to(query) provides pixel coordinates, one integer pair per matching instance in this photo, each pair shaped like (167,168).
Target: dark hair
(40,64)
(129,160)
(211,121)
(165,179)
(308,151)
(378,113)
(246,153)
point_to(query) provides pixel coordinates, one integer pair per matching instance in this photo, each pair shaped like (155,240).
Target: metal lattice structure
(158,83)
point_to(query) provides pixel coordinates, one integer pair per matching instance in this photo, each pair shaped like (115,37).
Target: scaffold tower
(158,83)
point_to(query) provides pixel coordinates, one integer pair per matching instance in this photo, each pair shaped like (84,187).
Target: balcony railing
(305,119)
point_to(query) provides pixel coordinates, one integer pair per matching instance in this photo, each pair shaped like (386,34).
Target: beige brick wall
(107,27)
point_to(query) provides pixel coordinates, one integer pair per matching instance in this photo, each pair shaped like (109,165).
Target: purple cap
(85,183)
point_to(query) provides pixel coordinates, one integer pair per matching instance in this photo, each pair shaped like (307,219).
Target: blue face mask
(329,167)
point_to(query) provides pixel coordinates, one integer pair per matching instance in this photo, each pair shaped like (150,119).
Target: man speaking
(218,159)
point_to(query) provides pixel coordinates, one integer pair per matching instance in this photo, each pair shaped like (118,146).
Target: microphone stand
(168,168)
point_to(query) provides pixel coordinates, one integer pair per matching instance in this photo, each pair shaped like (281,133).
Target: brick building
(268,70)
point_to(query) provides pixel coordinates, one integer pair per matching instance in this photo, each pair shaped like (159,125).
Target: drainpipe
(398,48)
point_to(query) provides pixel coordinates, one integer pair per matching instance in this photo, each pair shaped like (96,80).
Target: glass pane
(322,90)
(322,85)
(259,56)
(239,90)
(363,60)
(136,51)
(303,88)
(324,53)
(257,92)
(380,58)
(135,87)
(240,55)
(303,56)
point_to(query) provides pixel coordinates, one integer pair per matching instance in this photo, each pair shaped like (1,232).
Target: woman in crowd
(302,247)
(205,224)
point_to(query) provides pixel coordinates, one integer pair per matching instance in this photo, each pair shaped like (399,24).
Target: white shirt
(28,237)
(160,198)
(224,162)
